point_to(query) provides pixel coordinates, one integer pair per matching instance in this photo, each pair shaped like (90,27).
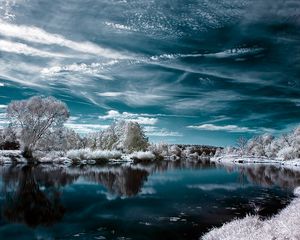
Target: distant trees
(123,135)
(35,119)
(286,146)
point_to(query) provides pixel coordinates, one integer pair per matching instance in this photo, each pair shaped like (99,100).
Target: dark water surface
(168,200)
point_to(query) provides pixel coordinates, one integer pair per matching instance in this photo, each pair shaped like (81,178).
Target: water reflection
(26,203)
(266,175)
(32,193)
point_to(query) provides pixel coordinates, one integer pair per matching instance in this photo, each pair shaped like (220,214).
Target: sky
(193,71)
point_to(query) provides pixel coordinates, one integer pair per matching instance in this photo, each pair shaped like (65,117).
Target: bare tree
(34,118)
(242,145)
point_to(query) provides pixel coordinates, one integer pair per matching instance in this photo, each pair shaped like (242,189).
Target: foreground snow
(235,159)
(9,156)
(88,154)
(284,225)
(82,156)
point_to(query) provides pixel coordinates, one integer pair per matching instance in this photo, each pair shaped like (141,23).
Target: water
(168,200)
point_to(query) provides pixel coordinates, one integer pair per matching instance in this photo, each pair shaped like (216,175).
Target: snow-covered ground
(82,156)
(238,160)
(9,156)
(285,225)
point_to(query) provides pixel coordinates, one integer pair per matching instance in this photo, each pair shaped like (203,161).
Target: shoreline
(234,160)
(284,225)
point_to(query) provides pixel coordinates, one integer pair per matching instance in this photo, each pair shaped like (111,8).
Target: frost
(284,225)
(147,156)
(88,154)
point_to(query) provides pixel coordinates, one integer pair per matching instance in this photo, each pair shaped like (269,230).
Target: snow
(140,155)
(238,160)
(10,156)
(88,154)
(284,225)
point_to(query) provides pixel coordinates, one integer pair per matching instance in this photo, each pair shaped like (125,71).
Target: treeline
(285,147)
(37,124)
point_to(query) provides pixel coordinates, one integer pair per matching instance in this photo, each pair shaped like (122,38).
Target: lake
(165,200)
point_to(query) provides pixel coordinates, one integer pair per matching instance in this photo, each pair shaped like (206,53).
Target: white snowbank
(10,156)
(147,156)
(284,225)
(235,159)
(88,154)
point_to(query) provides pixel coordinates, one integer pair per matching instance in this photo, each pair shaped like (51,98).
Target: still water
(167,200)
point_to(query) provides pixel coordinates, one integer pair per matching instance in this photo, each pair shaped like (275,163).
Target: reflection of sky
(189,71)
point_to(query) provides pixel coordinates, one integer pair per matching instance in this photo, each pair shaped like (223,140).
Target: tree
(122,135)
(61,139)
(242,145)
(131,136)
(35,118)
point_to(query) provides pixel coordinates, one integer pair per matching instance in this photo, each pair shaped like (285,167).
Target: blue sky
(194,71)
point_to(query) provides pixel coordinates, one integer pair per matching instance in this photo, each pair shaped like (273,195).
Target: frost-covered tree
(35,118)
(131,136)
(123,135)
(242,145)
(286,146)
(61,139)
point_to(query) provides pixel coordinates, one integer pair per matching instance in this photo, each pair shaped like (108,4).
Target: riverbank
(247,160)
(284,225)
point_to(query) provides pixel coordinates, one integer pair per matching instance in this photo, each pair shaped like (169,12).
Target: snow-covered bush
(140,155)
(88,154)
(159,150)
(175,150)
(284,225)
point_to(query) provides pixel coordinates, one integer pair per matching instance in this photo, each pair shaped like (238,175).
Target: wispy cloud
(20,48)
(38,35)
(226,128)
(95,69)
(135,98)
(161,132)
(86,128)
(134,117)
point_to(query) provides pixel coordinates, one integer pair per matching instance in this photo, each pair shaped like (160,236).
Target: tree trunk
(27,153)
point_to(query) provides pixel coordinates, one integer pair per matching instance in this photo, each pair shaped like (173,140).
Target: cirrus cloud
(227,128)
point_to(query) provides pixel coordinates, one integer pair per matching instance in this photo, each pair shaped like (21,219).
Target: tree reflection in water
(267,175)
(29,205)
(33,192)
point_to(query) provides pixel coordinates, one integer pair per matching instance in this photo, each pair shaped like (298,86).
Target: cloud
(94,69)
(119,26)
(135,98)
(20,48)
(85,128)
(160,132)
(38,35)
(110,94)
(227,128)
(134,117)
